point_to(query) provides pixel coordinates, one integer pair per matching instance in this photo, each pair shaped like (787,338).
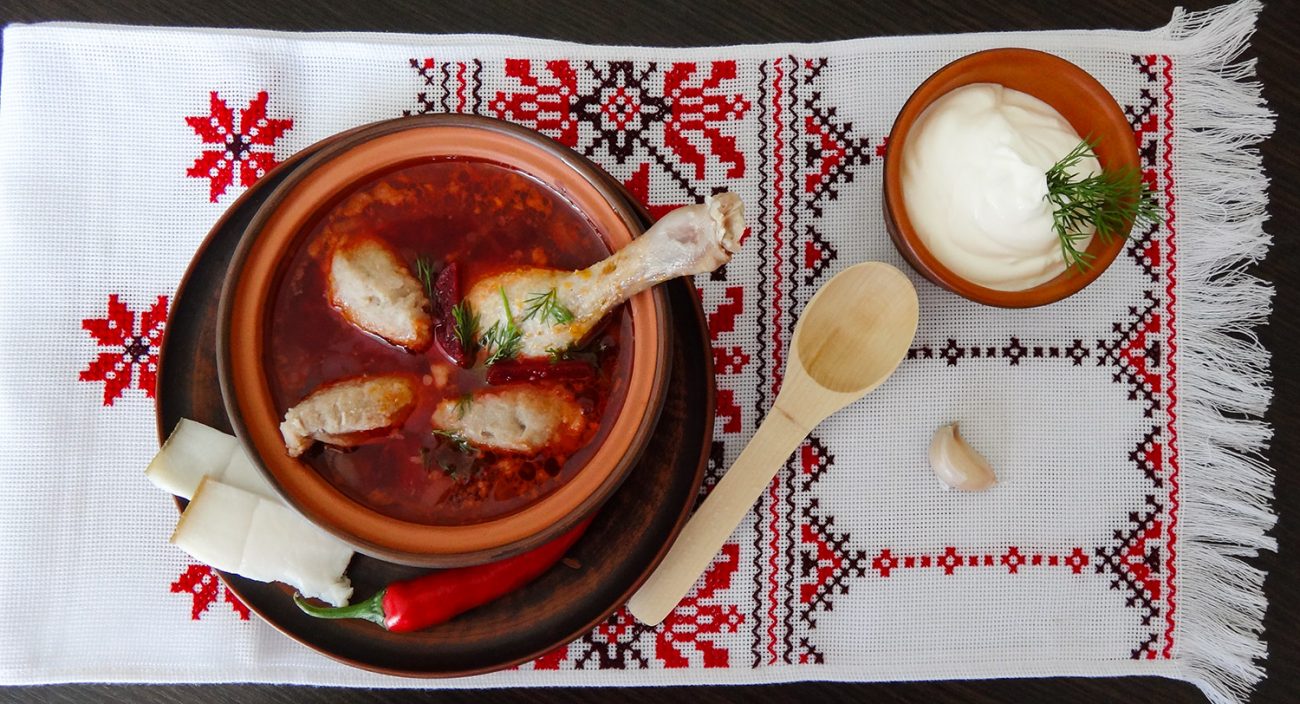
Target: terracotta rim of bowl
(1073,92)
(280,226)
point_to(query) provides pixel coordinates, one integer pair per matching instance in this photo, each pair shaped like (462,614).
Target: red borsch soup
(483,217)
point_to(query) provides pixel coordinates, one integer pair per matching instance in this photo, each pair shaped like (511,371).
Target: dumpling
(349,412)
(375,291)
(522,418)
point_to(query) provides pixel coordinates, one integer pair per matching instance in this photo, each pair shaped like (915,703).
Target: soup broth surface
(485,218)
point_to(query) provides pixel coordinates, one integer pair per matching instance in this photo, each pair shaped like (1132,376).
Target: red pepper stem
(371,609)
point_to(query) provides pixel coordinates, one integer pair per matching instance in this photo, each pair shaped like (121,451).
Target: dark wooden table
(694,23)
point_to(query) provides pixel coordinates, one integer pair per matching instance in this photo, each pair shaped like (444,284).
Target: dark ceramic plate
(626,541)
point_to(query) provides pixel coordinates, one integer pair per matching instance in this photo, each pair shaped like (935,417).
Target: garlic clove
(957,464)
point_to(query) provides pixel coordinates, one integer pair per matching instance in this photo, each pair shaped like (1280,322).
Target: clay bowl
(1084,103)
(280,228)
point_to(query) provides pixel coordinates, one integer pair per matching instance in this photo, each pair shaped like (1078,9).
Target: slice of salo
(191,452)
(238,531)
(215,526)
(285,547)
(194,451)
(241,472)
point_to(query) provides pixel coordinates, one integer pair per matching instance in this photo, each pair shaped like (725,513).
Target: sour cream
(974,184)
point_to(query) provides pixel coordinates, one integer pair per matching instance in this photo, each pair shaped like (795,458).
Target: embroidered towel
(1111,546)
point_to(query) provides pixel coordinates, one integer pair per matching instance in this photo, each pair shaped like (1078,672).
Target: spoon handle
(721,512)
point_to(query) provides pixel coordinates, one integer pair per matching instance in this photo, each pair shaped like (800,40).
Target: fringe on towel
(1225,490)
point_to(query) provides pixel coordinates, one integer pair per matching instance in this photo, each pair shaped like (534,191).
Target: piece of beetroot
(538,369)
(446,294)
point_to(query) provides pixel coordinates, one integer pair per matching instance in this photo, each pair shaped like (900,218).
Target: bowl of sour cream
(967,184)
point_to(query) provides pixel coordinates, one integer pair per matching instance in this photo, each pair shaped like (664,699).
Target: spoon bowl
(845,344)
(851,337)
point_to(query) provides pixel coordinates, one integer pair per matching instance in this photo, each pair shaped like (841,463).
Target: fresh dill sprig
(450,471)
(1107,201)
(427,460)
(572,352)
(458,470)
(558,354)
(424,270)
(466,326)
(502,341)
(463,404)
(458,441)
(547,306)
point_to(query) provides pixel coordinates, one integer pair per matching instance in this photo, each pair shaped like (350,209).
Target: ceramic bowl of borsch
(440,342)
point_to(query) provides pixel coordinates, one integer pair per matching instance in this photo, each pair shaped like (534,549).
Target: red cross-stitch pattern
(204,588)
(692,618)
(248,144)
(545,105)
(698,109)
(132,351)
(952,559)
(622,642)
(631,112)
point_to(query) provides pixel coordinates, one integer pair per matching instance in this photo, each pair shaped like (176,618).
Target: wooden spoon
(852,336)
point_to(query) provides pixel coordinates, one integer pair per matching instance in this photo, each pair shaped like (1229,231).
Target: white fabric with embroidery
(1111,545)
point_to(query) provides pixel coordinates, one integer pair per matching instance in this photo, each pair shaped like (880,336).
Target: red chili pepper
(517,370)
(426,601)
(446,294)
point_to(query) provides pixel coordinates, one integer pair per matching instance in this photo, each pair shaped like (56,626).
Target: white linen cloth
(1109,547)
